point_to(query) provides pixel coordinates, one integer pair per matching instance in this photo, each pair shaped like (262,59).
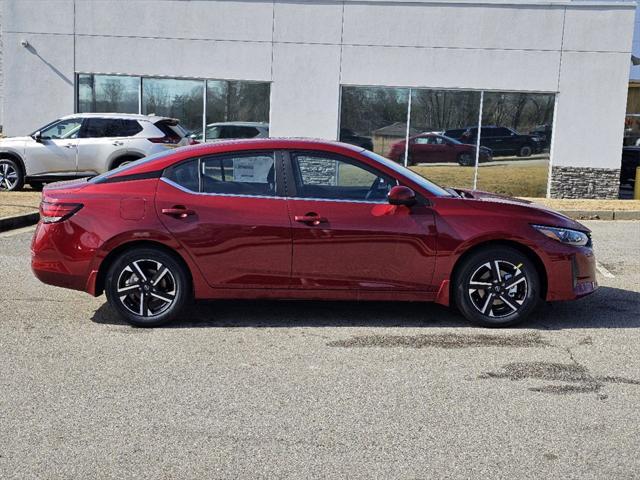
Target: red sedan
(294,219)
(434,148)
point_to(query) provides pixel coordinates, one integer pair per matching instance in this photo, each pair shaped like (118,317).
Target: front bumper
(572,275)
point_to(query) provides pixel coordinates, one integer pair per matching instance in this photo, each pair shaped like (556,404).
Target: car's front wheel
(497,287)
(147,287)
(11,176)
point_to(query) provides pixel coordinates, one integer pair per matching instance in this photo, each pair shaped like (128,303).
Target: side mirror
(37,136)
(400,195)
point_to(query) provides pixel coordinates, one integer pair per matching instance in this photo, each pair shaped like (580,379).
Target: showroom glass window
(516,127)
(440,141)
(107,93)
(169,97)
(241,106)
(374,118)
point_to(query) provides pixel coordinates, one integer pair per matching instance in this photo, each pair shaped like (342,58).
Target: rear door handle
(69,145)
(310,219)
(178,212)
(118,143)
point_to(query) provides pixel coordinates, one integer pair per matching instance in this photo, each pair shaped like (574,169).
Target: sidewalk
(593,209)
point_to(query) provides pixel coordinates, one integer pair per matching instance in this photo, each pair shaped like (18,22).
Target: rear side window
(244,174)
(110,127)
(252,174)
(185,174)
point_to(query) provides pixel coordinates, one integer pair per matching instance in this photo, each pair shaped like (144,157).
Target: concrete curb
(18,221)
(602,214)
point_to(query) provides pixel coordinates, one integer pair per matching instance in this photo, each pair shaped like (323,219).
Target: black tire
(525,151)
(159,302)
(119,162)
(37,186)
(466,159)
(11,175)
(480,297)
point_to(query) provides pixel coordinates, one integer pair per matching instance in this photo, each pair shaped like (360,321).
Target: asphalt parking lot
(320,390)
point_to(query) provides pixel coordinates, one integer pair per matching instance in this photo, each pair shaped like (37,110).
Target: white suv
(84,145)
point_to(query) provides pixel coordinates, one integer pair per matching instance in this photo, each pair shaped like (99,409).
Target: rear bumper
(57,260)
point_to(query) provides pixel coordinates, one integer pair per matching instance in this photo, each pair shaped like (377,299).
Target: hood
(537,213)
(14,139)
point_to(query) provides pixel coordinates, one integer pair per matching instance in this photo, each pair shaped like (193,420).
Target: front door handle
(178,212)
(70,145)
(310,219)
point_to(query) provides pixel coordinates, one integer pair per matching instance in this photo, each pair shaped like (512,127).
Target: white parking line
(604,272)
(17,231)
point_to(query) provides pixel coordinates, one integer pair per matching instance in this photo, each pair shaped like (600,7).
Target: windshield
(452,140)
(128,166)
(410,174)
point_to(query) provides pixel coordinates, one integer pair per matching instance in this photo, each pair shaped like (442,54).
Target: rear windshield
(128,166)
(173,131)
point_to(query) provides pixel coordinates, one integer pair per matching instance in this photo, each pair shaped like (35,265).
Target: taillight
(57,212)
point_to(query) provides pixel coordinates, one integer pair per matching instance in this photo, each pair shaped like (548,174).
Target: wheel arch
(16,158)
(524,249)
(124,156)
(120,249)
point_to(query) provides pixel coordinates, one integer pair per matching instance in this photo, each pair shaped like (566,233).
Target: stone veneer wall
(585,182)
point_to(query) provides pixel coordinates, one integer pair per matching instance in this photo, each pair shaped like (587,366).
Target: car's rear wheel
(11,176)
(497,287)
(466,159)
(525,151)
(147,287)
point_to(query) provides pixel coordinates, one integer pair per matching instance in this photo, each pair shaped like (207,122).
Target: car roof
(128,116)
(154,163)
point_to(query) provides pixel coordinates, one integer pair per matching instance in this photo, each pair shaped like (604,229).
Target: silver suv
(84,145)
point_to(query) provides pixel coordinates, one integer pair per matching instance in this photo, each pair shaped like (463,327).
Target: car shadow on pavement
(607,308)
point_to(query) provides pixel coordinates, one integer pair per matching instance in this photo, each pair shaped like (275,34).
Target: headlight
(564,235)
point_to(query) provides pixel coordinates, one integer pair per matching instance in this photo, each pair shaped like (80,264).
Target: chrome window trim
(312,199)
(272,197)
(186,190)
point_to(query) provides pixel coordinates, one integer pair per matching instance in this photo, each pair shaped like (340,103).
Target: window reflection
(515,138)
(168,97)
(517,128)
(374,118)
(107,93)
(435,152)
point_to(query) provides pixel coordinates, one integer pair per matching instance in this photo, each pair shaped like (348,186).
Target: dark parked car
(349,136)
(501,140)
(434,148)
(630,161)
(544,133)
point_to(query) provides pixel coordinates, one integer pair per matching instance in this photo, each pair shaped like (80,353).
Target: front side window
(326,177)
(64,129)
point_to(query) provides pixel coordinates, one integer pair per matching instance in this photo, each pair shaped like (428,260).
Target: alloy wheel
(498,288)
(146,288)
(8,176)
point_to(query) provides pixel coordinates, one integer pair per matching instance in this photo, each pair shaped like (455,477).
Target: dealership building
(552,73)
